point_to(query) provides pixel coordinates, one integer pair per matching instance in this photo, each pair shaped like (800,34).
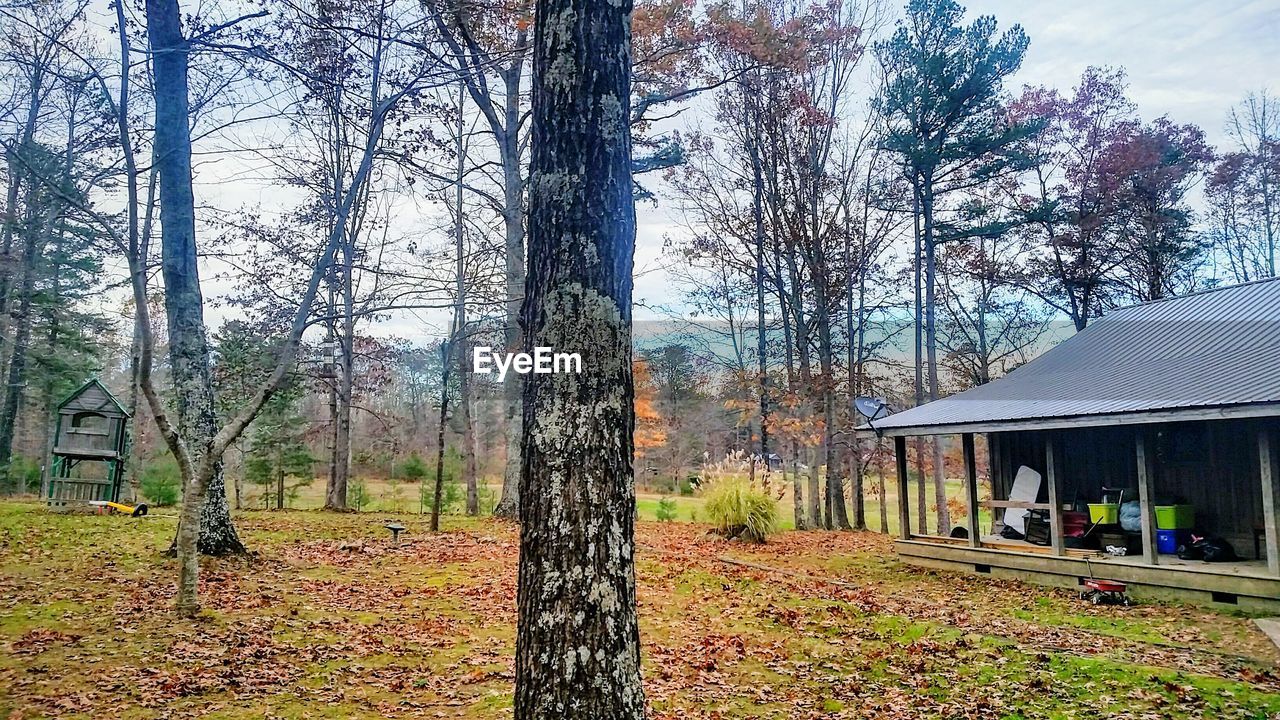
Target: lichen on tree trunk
(203,525)
(577,647)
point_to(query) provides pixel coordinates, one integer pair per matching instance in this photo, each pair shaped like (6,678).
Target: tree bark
(513,225)
(577,642)
(17,172)
(837,512)
(340,463)
(931,343)
(444,419)
(806,382)
(34,228)
(460,322)
(921,504)
(757,216)
(136,248)
(856,333)
(205,521)
(798,506)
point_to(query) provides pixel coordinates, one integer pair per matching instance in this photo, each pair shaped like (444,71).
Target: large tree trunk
(578,641)
(931,342)
(513,225)
(802,330)
(332,499)
(16,176)
(798,506)
(33,229)
(757,215)
(132,460)
(460,322)
(855,331)
(918,266)
(837,511)
(139,250)
(340,462)
(38,226)
(136,249)
(204,525)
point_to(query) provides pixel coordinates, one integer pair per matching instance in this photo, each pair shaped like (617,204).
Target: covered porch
(1222,462)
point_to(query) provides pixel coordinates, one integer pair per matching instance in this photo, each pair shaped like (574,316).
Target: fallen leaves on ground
(329,617)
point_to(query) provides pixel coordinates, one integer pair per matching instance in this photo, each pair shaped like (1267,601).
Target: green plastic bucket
(1104,513)
(1175,517)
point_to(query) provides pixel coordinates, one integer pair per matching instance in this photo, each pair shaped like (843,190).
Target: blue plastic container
(1167,541)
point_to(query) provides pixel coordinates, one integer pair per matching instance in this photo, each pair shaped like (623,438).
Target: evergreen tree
(53,335)
(278,458)
(942,104)
(278,454)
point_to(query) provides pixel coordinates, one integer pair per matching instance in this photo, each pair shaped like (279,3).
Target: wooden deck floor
(1246,583)
(1249,568)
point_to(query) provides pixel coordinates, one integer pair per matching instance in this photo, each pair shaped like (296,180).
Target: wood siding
(1210,465)
(92,398)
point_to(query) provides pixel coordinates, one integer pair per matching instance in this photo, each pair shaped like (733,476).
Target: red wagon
(1103,591)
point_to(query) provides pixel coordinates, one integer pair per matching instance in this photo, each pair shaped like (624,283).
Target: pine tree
(278,453)
(943,111)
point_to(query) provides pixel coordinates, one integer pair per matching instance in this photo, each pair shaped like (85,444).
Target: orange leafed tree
(649,430)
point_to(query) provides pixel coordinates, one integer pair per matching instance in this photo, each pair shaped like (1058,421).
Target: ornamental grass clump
(738,506)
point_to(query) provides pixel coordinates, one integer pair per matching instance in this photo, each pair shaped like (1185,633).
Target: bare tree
(196,440)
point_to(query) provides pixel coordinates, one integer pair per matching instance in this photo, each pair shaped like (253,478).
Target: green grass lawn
(404,497)
(690,508)
(329,619)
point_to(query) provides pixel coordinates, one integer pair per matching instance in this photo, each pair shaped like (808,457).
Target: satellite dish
(873,408)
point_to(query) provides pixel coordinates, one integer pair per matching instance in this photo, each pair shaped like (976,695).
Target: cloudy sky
(1188,59)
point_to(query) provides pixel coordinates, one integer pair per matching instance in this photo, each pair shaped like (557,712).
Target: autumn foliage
(649,430)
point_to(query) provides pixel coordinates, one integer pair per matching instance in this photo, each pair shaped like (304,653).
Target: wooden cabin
(1172,403)
(87,458)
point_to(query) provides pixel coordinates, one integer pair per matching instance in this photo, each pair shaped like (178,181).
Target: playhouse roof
(93,396)
(1208,355)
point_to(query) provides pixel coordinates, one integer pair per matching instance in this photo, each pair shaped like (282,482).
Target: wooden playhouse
(87,459)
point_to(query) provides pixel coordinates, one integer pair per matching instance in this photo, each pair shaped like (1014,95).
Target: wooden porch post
(1146,495)
(971,486)
(1270,498)
(1055,498)
(904,503)
(995,467)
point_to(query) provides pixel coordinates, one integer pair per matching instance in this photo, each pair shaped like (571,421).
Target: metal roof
(1215,349)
